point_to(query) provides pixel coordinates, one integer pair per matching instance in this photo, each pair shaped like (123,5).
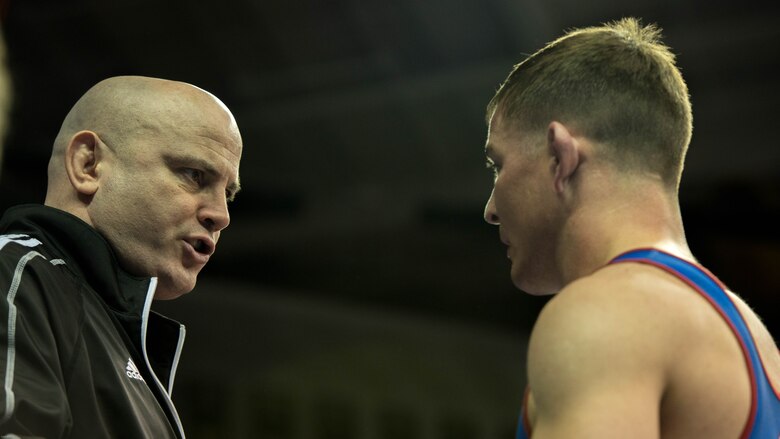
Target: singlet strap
(710,288)
(699,279)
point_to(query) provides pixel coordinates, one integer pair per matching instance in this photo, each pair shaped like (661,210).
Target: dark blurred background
(357,292)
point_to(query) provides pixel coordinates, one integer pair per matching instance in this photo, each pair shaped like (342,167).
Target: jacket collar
(85,252)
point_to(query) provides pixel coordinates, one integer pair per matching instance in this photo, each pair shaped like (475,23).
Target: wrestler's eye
(491,165)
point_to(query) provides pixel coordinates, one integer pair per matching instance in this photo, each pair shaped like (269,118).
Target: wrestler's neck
(636,214)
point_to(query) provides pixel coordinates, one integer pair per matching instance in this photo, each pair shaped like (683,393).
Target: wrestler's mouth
(503,239)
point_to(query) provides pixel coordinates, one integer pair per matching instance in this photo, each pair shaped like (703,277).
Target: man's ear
(565,148)
(82,156)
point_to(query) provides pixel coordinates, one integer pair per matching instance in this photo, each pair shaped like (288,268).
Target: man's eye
(194,175)
(490,164)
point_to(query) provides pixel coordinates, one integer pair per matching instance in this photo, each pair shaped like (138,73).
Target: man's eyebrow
(233,189)
(208,168)
(197,162)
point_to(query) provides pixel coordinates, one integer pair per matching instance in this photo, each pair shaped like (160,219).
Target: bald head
(119,108)
(123,109)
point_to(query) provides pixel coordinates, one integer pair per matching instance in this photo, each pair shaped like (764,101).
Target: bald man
(140,176)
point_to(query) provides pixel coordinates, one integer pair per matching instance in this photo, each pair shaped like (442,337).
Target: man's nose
(490,215)
(214,214)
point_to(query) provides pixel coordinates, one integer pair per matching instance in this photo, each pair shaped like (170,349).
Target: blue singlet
(764,420)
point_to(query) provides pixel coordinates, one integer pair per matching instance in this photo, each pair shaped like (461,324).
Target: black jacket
(81,354)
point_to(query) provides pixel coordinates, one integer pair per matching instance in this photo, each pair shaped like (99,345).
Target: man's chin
(526,285)
(168,290)
(167,296)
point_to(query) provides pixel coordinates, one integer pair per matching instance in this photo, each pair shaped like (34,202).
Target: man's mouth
(202,245)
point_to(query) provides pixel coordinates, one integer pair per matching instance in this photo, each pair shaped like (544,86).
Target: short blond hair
(618,84)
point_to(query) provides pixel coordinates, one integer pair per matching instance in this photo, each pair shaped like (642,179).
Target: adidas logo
(132,371)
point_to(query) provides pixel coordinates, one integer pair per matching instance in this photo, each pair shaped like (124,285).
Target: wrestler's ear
(82,156)
(565,149)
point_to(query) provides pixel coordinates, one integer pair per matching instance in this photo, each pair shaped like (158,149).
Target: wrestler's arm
(596,366)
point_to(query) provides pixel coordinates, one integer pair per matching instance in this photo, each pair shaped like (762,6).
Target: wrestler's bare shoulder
(664,335)
(642,291)
(635,296)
